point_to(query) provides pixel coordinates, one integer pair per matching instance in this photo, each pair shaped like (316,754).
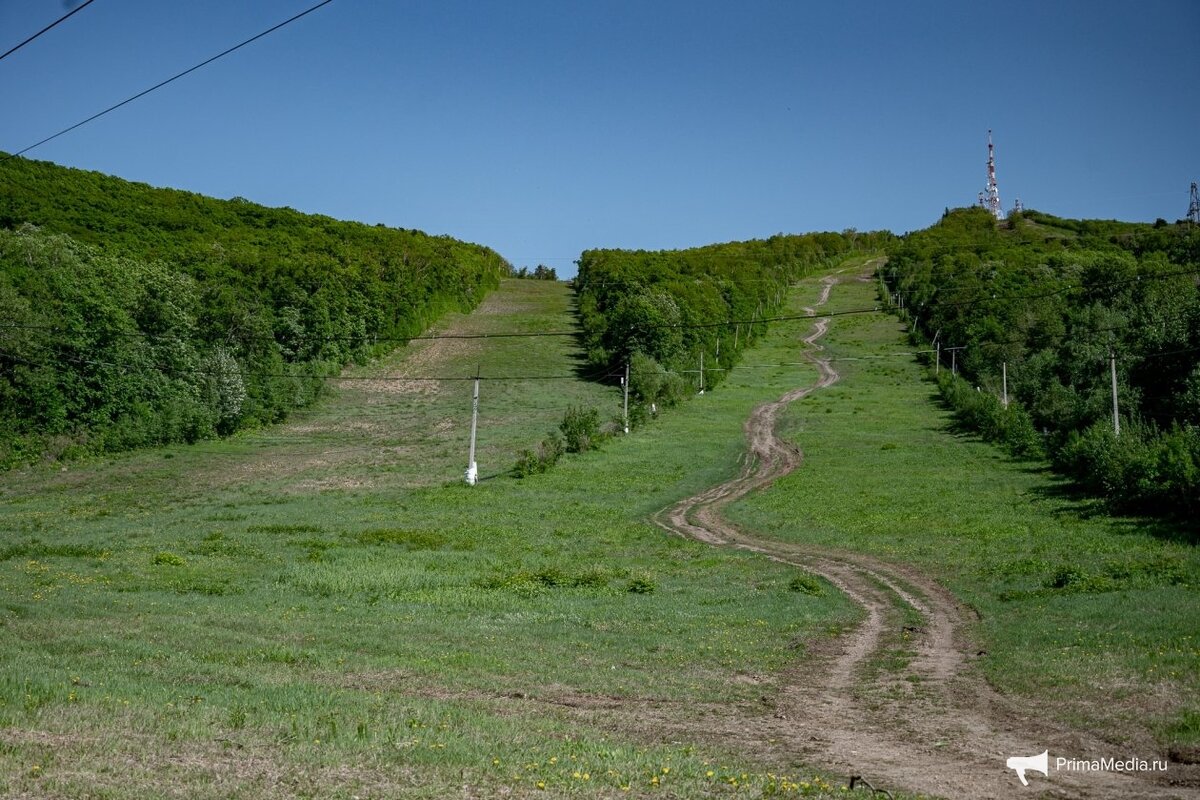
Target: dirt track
(930,725)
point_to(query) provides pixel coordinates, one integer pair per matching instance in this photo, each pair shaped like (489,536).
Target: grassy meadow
(323,609)
(1094,619)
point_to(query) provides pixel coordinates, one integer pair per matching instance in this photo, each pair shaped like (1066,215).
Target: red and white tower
(990,197)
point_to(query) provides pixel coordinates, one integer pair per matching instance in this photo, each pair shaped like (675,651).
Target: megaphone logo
(1022,763)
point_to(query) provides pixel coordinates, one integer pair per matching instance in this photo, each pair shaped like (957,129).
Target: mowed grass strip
(259,617)
(1093,618)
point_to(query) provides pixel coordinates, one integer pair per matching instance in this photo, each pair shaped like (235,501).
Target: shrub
(640,586)
(580,429)
(541,459)
(1010,427)
(806,584)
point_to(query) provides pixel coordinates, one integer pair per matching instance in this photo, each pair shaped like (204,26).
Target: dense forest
(663,312)
(1049,306)
(132,316)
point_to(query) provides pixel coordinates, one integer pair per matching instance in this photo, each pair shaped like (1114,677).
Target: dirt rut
(895,700)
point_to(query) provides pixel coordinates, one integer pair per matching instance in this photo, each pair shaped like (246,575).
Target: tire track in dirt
(894,700)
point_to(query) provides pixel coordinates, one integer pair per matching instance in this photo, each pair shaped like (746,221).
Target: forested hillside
(1053,302)
(132,316)
(659,311)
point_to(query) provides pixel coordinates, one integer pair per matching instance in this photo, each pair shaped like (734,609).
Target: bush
(1142,470)
(806,584)
(640,586)
(1010,427)
(541,459)
(581,429)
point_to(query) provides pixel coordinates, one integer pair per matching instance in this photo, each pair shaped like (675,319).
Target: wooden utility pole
(472,475)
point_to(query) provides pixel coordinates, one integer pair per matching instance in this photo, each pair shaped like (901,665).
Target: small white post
(701,372)
(1004,368)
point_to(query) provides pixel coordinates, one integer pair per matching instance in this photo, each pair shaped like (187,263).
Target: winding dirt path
(894,700)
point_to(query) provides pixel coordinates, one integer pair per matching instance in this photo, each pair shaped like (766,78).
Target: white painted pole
(472,475)
(1112,361)
(625,387)
(1005,371)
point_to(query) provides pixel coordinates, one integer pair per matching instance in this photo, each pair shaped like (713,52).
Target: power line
(179,372)
(365,338)
(1060,290)
(173,78)
(63,18)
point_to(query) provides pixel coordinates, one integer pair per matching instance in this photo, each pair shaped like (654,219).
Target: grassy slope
(1115,647)
(322,609)
(348,619)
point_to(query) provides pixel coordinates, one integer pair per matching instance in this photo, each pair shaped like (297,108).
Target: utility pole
(625,387)
(1112,362)
(954,360)
(1004,368)
(472,475)
(701,372)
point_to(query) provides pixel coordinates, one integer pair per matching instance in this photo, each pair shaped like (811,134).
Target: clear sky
(545,128)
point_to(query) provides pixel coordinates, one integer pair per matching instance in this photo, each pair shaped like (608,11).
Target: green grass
(326,600)
(1094,619)
(323,609)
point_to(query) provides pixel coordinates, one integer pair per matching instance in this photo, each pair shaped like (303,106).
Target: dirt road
(896,700)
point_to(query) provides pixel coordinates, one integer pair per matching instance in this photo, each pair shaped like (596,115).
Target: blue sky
(544,128)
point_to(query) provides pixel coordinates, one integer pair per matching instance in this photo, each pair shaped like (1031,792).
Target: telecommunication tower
(990,197)
(1193,215)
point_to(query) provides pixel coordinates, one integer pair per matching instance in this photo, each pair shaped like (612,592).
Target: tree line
(665,312)
(1049,306)
(134,316)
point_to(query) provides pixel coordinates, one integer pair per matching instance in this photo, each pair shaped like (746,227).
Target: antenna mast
(990,198)
(1193,215)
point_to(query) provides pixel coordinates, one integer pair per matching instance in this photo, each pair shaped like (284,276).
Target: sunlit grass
(1099,617)
(365,624)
